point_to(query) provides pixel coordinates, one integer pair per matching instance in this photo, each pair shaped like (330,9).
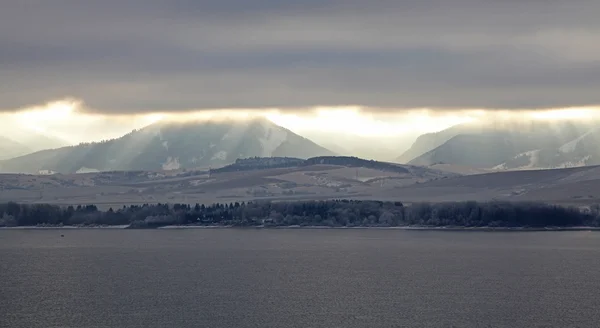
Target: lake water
(298,278)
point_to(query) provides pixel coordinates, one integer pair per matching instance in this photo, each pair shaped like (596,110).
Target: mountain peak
(170,145)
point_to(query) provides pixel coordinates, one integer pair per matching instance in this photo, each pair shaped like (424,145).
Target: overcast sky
(132,56)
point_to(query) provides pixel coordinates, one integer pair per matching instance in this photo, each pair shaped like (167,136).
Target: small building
(46,172)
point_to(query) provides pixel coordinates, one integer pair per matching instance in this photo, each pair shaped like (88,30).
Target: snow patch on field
(532,156)
(196,183)
(84,169)
(582,162)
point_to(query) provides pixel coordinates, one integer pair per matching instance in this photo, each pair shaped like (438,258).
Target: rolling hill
(288,178)
(256,178)
(570,186)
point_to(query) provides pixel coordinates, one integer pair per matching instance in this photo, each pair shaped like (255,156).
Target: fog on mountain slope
(430,141)
(170,146)
(375,150)
(26,142)
(519,145)
(177,144)
(10,148)
(581,151)
(380,148)
(39,141)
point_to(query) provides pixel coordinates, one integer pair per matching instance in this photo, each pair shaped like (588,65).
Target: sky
(379,68)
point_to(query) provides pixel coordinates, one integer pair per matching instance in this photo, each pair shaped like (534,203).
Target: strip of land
(340,213)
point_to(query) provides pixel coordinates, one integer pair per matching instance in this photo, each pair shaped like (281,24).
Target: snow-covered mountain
(430,141)
(581,151)
(170,146)
(520,146)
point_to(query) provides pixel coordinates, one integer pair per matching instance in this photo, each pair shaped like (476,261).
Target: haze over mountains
(531,145)
(172,146)
(232,159)
(10,148)
(354,78)
(18,144)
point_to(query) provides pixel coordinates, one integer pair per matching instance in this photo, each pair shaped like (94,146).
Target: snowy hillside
(173,146)
(581,151)
(536,145)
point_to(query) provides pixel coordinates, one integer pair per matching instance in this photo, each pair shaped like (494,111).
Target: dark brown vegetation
(332,213)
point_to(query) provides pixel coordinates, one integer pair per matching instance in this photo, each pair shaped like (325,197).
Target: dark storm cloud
(151,55)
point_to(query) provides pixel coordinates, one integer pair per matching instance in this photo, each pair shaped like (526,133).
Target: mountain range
(172,146)
(533,145)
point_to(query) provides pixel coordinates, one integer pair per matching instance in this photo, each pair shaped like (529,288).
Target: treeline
(332,213)
(259,163)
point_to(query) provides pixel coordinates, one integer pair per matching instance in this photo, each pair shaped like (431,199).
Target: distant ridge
(533,145)
(172,146)
(10,148)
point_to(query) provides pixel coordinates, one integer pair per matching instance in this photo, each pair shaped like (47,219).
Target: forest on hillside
(261,163)
(330,213)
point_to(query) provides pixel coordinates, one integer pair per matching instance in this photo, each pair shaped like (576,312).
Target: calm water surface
(298,278)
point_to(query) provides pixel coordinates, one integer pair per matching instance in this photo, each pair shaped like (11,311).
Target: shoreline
(404,228)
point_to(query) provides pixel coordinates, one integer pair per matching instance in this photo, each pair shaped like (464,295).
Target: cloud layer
(129,56)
